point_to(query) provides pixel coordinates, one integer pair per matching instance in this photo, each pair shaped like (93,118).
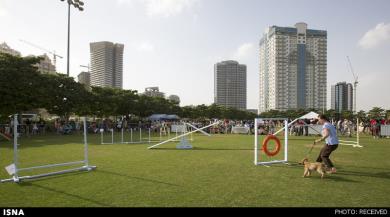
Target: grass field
(219,172)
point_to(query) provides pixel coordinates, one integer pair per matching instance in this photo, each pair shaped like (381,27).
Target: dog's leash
(314,143)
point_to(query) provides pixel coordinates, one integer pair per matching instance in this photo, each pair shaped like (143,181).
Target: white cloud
(164,8)
(127,2)
(167,8)
(145,47)
(375,37)
(3,11)
(244,51)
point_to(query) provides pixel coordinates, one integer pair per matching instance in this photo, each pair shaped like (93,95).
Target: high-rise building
(84,78)
(342,97)
(106,64)
(230,84)
(153,92)
(4,48)
(45,66)
(293,68)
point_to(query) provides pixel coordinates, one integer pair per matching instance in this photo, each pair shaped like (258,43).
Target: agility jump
(261,159)
(137,135)
(186,134)
(14,169)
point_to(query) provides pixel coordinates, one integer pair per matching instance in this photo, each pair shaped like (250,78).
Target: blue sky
(174,44)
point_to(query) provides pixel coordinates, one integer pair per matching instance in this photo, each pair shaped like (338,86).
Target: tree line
(23,88)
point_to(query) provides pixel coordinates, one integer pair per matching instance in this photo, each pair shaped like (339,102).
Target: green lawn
(218,172)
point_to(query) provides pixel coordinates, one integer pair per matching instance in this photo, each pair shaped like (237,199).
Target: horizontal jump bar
(51,165)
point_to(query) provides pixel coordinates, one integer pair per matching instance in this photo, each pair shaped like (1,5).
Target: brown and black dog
(309,167)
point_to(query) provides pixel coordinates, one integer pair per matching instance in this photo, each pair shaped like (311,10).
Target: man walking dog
(329,135)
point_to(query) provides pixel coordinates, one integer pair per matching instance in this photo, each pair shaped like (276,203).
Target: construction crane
(41,48)
(356,82)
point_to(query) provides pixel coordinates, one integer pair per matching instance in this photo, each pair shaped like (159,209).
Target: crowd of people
(344,127)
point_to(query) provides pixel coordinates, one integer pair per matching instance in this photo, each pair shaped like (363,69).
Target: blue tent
(159,117)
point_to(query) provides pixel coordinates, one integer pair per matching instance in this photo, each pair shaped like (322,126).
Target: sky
(174,44)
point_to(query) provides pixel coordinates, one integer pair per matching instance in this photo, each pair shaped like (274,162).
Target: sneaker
(332,170)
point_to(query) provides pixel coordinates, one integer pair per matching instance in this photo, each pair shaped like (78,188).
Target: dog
(309,167)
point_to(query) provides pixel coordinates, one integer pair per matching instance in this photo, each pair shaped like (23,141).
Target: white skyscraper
(230,84)
(293,68)
(107,64)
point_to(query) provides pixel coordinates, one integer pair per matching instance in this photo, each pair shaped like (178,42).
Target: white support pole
(16,163)
(122,136)
(185,134)
(86,161)
(131,134)
(101,136)
(202,131)
(256,135)
(140,134)
(285,140)
(112,136)
(357,132)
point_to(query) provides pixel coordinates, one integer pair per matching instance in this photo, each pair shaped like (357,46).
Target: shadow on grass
(337,178)
(136,178)
(382,175)
(53,190)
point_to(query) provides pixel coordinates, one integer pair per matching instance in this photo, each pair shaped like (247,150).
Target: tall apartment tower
(106,64)
(4,48)
(230,84)
(342,97)
(84,78)
(293,68)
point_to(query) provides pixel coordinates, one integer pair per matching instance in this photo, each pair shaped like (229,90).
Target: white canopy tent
(310,115)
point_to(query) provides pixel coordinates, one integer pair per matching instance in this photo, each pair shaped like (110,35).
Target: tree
(126,102)
(376,113)
(347,115)
(64,96)
(104,102)
(361,115)
(387,114)
(21,85)
(215,111)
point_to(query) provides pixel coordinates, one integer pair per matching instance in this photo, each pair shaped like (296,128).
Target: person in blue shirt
(329,135)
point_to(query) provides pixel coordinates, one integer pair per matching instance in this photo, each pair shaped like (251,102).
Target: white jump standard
(14,169)
(185,134)
(258,159)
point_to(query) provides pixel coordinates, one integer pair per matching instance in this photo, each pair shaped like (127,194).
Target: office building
(106,64)
(230,84)
(342,97)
